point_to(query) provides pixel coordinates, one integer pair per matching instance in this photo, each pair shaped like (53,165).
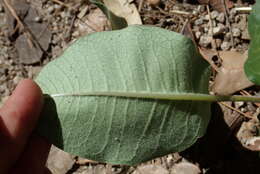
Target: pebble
(232,14)
(37,19)
(57,6)
(1,9)
(220,29)
(205,40)
(218,43)
(225,46)
(227,36)
(216,31)
(198,34)
(214,14)
(17,79)
(198,21)
(221,18)
(65,14)
(201,8)
(50,9)
(236,32)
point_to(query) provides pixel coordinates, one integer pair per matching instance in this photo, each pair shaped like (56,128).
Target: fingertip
(21,111)
(18,117)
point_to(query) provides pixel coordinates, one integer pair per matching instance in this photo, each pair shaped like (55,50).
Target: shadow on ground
(219,151)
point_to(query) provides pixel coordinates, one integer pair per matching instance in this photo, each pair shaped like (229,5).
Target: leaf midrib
(161,96)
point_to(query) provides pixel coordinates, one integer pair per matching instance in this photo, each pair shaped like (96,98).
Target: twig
(140,5)
(180,12)
(243,9)
(232,108)
(20,23)
(226,12)
(243,92)
(68,34)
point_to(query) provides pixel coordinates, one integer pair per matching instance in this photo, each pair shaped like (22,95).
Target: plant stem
(164,96)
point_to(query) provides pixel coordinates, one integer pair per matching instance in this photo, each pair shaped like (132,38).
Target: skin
(21,150)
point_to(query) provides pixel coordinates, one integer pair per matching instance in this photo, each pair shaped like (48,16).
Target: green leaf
(108,91)
(252,65)
(115,21)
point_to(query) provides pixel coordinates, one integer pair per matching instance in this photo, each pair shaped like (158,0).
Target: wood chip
(59,161)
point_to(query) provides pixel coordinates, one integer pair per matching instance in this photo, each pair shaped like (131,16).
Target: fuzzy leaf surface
(124,130)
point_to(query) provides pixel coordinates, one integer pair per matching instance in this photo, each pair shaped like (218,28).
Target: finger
(33,158)
(18,117)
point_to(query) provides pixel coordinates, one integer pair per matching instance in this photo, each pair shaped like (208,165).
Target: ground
(57,24)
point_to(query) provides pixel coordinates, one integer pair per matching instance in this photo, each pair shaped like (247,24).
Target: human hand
(20,150)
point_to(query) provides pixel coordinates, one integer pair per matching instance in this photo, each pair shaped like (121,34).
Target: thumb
(18,118)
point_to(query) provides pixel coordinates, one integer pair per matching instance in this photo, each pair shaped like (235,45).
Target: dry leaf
(95,21)
(125,9)
(187,31)
(231,76)
(32,41)
(151,169)
(218,4)
(28,53)
(185,168)
(208,54)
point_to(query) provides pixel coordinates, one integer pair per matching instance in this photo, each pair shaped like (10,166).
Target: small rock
(17,79)
(206,29)
(214,14)
(220,29)
(227,36)
(206,17)
(236,32)
(1,8)
(57,6)
(205,40)
(37,19)
(185,168)
(3,71)
(198,34)
(232,14)
(198,21)
(239,104)
(218,43)
(64,14)
(3,87)
(151,169)
(221,18)
(201,8)
(225,45)
(50,9)
(245,35)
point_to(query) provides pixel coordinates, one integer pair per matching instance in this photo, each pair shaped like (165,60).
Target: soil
(219,151)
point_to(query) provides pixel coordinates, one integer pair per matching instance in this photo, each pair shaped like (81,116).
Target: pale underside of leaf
(123,129)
